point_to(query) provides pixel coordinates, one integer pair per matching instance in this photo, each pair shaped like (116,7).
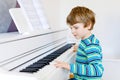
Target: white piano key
(44,72)
(5,75)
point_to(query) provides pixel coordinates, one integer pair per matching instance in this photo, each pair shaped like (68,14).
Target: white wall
(52,12)
(112,71)
(107,20)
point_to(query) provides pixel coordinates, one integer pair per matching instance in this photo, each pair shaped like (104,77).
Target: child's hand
(60,64)
(75,47)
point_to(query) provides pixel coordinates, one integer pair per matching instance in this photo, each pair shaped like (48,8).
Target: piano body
(30,53)
(33,55)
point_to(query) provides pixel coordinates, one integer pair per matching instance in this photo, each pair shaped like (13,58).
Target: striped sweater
(88,65)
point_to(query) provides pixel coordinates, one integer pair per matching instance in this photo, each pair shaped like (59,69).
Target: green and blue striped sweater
(88,64)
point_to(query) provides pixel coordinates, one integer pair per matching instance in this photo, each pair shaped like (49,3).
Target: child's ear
(89,26)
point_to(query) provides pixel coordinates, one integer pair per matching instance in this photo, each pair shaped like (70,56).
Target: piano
(30,53)
(33,55)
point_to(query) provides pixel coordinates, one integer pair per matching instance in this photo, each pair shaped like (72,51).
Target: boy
(88,64)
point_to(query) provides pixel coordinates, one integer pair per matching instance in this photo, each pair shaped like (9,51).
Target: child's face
(79,31)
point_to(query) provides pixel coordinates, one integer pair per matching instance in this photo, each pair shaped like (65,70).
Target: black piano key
(36,65)
(33,68)
(46,60)
(50,57)
(42,62)
(29,70)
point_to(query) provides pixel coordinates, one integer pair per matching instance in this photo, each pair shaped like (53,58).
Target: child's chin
(77,37)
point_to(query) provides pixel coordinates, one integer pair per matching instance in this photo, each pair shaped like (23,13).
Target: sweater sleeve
(93,67)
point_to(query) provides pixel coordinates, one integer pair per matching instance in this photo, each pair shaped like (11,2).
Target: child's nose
(73,31)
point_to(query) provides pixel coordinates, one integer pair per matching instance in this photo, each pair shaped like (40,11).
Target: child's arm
(93,67)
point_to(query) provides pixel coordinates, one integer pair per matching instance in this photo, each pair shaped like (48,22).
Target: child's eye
(76,27)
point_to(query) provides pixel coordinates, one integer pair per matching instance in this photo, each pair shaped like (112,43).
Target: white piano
(30,53)
(31,56)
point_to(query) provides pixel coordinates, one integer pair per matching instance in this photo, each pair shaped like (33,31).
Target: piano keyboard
(49,71)
(46,60)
